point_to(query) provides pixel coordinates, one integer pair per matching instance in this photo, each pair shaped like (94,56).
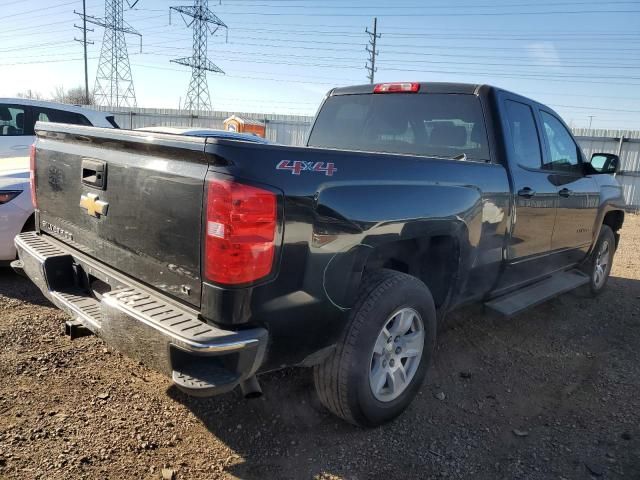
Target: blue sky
(582,57)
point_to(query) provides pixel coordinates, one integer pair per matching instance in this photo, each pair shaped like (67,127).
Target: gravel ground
(552,393)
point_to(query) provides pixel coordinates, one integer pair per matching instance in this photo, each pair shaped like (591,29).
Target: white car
(17,119)
(16,209)
(19,115)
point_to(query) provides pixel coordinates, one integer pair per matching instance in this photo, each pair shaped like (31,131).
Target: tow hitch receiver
(75,329)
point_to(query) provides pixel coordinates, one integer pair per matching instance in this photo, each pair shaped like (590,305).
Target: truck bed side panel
(333,222)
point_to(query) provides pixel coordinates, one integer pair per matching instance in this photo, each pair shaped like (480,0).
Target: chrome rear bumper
(142,323)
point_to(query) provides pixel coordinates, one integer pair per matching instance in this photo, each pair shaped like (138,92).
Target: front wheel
(384,353)
(599,264)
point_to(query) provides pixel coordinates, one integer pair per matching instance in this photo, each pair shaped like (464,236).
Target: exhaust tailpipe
(251,388)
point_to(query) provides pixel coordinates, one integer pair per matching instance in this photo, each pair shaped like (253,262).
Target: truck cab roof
(425,87)
(432,87)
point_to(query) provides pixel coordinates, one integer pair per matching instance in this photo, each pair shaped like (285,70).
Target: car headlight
(7,195)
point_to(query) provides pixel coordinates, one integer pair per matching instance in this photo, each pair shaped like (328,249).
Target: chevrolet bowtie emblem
(92,205)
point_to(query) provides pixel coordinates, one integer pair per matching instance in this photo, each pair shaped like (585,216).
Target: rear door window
(13,121)
(59,116)
(440,125)
(525,142)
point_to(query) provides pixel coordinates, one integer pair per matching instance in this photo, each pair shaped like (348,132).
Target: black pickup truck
(213,260)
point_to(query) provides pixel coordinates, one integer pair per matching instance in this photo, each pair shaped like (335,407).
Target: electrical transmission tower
(373,51)
(114,84)
(204,22)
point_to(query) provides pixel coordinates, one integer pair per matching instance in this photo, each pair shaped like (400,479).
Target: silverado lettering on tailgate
(49,227)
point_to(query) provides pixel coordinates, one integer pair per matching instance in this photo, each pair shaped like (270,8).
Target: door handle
(565,192)
(94,173)
(526,192)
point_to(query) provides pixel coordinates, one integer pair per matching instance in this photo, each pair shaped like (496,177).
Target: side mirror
(604,163)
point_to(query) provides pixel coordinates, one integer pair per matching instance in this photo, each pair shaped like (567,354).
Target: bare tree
(74,96)
(59,95)
(31,94)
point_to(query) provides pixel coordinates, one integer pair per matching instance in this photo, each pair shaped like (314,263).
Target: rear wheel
(599,264)
(385,351)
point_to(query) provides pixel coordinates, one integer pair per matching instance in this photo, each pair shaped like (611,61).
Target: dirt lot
(553,393)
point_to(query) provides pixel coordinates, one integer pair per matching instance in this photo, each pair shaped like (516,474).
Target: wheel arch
(437,259)
(434,260)
(614,219)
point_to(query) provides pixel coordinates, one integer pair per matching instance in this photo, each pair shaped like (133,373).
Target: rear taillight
(240,232)
(32,174)
(406,87)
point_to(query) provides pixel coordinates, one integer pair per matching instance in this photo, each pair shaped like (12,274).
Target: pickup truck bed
(213,260)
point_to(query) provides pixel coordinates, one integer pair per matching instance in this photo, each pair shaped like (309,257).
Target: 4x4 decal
(297,167)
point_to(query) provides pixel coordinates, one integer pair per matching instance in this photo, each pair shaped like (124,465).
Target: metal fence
(284,129)
(292,130)
(626,144)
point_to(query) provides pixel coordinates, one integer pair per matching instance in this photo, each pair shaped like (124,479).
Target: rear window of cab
(439,125)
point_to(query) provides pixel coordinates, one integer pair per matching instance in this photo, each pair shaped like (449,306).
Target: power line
(12,3)
(420,4)
(250,3)
(464,14)
(312,30)
(447,34)
(396,7)
(280,80)
(204,21)
(430,60)
(335,82)
(401,68)
(289,41)
(39,27)
(32,46)
(28,12)
(62,60)
(550,64)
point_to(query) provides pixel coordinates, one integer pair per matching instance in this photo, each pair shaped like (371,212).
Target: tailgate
(131,200)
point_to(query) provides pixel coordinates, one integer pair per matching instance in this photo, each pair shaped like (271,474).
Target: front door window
(12,121)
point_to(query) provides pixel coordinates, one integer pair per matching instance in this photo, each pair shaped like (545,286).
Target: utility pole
(590,121)
(373,51)
(204,22)
(114,83)
(84,42)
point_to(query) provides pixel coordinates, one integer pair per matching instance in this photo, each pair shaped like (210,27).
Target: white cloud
(544,54)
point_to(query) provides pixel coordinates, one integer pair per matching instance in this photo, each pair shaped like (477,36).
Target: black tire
(342,381)
(594,288)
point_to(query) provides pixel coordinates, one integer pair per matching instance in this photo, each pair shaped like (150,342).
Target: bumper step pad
(202,379)
(151,309)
